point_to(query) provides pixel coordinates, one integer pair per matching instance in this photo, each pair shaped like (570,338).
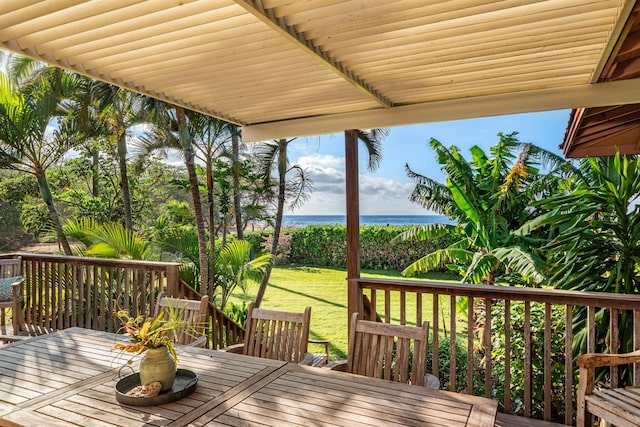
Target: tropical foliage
(488,198)
(597,238)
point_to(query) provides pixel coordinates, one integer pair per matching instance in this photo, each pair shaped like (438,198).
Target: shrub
(325,245)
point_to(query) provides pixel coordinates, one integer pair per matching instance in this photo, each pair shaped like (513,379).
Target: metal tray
(184,384)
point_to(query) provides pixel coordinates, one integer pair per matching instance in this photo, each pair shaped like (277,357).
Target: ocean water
(304,220)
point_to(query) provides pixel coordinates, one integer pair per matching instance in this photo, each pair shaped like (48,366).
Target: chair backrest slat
(192,311)
(391,352)
(10,267)
(278,335)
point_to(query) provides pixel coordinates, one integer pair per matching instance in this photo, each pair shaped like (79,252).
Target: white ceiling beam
(588,95)
(256,8)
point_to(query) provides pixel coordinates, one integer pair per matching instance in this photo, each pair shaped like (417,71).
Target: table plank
(297,395)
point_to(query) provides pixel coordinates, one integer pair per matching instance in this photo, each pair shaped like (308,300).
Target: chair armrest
(594,360)
(338,365)
(325,343)
(201,342)
(308,359)
(236,348)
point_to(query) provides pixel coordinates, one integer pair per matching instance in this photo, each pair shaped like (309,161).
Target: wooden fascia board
(587,95)
(614,44)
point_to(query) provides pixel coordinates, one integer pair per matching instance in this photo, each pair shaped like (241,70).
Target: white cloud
(378,195)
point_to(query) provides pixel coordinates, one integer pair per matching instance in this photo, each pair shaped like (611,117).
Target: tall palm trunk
(95,170)
(235,173)
(189,160)
(124,182)
(53,213)
(122,162)
(282,172)
(212,230)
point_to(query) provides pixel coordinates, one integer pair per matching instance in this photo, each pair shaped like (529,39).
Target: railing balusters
(487,349)
(419,308)
(568,365)
(547,362)
(60,300)
(40,296)
(591,329)
(373,309)
(613,344)
(75,295)
(636,343)
(507,356)
(470,331)
(452,343)
(436,330)
(527,359)
(403,308)
(387,306)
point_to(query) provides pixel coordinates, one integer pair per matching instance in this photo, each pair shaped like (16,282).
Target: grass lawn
(292,288)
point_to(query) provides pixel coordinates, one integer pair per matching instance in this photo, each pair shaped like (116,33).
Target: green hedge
(325,245)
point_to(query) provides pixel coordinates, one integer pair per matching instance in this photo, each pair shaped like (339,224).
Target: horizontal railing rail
(508,343)
(62,292)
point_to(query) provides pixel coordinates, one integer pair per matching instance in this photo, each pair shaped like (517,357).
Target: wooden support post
(353,219)
(173,279)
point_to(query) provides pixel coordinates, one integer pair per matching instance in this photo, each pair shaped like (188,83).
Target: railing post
(173,278)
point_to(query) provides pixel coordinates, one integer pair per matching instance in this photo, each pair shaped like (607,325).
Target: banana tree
(488,198)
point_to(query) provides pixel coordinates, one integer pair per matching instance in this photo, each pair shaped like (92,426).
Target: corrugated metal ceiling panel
(264,61)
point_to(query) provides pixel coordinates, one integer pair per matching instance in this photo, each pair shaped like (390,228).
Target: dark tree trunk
(212,230)
(45,191)
(189,160)
(235,173)
(282,172)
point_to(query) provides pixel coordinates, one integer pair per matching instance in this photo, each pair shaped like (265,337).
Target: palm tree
(489,198)
(121,109)
(275,153)
(235,268)
(236,172)
(175,128)
(110,240)
(26,115)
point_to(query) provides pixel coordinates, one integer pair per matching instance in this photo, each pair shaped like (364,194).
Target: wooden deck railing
(514,330)
(62,292)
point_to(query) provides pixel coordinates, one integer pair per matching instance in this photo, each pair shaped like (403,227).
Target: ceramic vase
(158,365)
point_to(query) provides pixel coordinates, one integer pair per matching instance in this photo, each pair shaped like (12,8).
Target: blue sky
(386,191)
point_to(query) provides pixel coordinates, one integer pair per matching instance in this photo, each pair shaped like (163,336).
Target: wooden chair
(383,350)
(279,335)
(11,276)
(620,407)
(193,311)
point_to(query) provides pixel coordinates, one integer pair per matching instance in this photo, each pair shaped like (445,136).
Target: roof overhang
(601,130)
(283,68)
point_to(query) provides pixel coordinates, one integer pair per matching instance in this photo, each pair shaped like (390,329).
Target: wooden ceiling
(284,68)
(600,131)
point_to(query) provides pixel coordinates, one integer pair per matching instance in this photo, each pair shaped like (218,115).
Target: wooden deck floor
(504,420)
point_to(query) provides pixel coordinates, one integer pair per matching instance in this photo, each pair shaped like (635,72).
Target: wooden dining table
(68,378)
